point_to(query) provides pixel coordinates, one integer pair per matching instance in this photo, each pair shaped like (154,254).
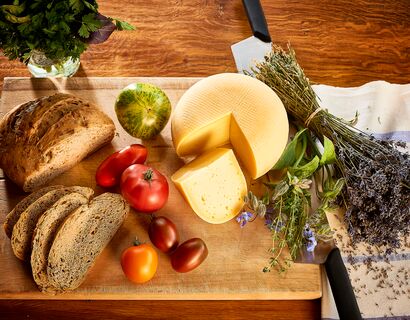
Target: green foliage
(59,28)
(329,155)
(89,24)
(288,156)
(123,25)
(287,205)
(306,170)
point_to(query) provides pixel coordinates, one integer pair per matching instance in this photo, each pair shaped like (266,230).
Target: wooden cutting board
(233,269)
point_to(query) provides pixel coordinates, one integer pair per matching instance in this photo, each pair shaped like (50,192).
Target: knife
(328,254)
(250,50)
(246,53)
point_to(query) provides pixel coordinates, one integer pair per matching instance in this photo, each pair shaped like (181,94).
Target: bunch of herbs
(287,206)
(58,28)
(371,176)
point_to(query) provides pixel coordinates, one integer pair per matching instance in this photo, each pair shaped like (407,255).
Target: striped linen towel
(382,287)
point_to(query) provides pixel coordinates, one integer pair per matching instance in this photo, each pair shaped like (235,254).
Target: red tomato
(145,188)
(139,263)
(163,234)
(109,172)
(189,255)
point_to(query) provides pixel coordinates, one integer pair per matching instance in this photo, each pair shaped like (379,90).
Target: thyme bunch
(376,175)
(286,206)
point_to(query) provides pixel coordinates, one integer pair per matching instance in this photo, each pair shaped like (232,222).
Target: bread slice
(82,237)
(45,137)
(14,214)
(24,227)
(45,232)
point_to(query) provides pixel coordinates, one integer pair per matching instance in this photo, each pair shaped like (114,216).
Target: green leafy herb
(89,24)
(59,28)
(286,207)
(329,155)
(288,156)
(123,25)
(306,170)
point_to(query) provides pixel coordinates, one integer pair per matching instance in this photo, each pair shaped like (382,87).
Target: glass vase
(41,67)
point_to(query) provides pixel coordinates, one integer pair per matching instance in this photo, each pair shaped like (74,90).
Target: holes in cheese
(233,108)
(213,184)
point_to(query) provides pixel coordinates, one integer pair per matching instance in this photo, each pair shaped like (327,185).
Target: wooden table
(345,43)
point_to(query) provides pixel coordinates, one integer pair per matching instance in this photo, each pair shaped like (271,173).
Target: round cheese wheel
(236,109)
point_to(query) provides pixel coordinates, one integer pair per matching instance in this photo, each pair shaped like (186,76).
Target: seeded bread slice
(24,227)
(14,214)
(82,237)
(45,232)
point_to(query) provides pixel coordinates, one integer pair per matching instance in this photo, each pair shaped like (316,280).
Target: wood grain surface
(233,269)
(341,42)
(167,310)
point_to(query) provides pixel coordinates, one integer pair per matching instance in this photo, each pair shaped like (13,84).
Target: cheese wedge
(236,109)
(213,184)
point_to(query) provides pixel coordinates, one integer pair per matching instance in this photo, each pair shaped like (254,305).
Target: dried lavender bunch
(376,173)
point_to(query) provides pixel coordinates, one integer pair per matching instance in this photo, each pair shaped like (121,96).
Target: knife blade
(250,50)
(246,53)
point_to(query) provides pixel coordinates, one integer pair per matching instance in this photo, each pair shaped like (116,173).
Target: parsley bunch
(59,28)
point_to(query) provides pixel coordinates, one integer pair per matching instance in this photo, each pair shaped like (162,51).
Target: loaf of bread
(44,234)
(82,237)
(45,137)
(23,230)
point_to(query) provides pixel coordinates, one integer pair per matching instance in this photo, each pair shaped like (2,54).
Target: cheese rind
(232,108)
(213,184)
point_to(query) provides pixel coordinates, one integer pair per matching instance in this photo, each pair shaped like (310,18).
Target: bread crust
(45,137)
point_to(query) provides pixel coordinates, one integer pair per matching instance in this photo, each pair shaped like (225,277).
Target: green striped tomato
(143,110)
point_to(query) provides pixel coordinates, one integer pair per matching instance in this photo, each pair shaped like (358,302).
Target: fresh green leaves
(123,25)
(17,20)
(76,5)
(89,23)
(59,28)
(291,152)
(307,170)
(290,202)
(295,158)
(287,213)
(13,9)
(12,13)
(329,155)
(295,153)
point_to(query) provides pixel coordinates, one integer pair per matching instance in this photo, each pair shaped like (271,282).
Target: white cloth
(383,110)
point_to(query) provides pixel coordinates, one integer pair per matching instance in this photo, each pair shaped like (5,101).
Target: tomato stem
(148,175)
(137,242)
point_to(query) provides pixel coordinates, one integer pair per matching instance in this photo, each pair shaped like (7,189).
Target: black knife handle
(257,19)
(342,290)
